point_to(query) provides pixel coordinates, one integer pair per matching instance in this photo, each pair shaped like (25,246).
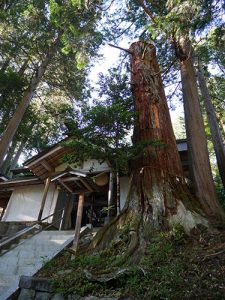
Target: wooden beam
(86,185)
(80,191)
(67,179)
(45,193)
(65,186)
(78,222)
(47,166)
(78,184)
(43,156)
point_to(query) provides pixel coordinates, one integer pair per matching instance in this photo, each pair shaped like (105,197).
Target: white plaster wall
(94,165)
(51,201)
(91,164)
(64,166)
(25,203)
(124,189)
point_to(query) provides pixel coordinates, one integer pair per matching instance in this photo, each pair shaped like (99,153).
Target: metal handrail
(50,215)
(50,225)
(29,228)
(61,218)
(17,235)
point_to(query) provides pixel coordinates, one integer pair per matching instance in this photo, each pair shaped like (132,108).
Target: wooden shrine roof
(75,181)
(44,163)
(11,184)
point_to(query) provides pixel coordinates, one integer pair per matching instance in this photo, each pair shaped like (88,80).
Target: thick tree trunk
(9,157)
(159,196)
(16,158)
(158,178)
(117,193)
(18,115)
(197,144)
(213,124)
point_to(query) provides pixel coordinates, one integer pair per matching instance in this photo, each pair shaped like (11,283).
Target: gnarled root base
(124,239)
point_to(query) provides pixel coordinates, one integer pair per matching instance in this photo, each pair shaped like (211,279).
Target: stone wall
(8,229)
(33,288)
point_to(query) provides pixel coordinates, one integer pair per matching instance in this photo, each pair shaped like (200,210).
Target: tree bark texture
(16,158)
(157,175)
(197,144)
(213,124)
(18,115)
(159,196)
(10,153)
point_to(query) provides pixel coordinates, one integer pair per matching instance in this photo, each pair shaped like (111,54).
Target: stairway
(29,256)
(14,240)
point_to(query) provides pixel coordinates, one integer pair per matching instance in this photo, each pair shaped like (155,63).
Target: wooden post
(117,193)
(91,212)
(110,194)
(78,222)
(47,184)
(62,219)
(68,209)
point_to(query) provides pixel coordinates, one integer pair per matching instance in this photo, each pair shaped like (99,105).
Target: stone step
(28,257)
(18,238)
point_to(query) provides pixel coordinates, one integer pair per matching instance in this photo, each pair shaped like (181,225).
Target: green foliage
(171,268)
(11,80)
(103,132)
(106,209)
(179,127)
(220,190)
(27,30)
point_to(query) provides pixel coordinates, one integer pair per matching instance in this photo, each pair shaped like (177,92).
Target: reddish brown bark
(216,135)
(153,122)
(158,196)
(158,184)
(197,143)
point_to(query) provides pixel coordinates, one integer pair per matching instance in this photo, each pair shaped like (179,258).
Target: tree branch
(146,10)
(120,48)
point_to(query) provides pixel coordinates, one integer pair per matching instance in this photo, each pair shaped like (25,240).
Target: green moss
(172,267)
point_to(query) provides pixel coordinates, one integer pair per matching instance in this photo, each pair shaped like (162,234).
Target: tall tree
(18,115)
(158,196)
(213,123)
(57,30)
(172,19)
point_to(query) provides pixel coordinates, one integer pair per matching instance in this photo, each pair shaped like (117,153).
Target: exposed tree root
(150,207)
(106,277)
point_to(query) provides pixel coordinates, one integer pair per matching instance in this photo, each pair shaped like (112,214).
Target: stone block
(75,297)
(26,294)
(57,297)
(42,296)
(99,298)
(38,284)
